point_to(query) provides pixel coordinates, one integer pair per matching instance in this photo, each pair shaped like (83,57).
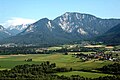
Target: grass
(9,61)
(84,74)
(11,64)
(54,48)
(81,52)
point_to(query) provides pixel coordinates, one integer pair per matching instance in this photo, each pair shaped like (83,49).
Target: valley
(65,61)
(72,59)
(59,40)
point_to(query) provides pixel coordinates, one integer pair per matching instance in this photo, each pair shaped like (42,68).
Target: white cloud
(17,21)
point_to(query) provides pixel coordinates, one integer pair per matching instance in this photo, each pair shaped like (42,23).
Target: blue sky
(37,9)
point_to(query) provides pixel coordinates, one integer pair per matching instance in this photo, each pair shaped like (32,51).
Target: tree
(28,60)
(66,53)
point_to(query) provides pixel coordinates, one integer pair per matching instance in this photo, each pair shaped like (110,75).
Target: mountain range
(17,29)
(42,32)
(66,28)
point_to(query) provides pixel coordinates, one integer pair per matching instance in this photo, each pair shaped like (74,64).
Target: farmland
(66,57)
(67,61)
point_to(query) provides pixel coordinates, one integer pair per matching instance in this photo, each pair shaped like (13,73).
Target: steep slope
(42,32)
(112,36)
(4,33)
(84,25)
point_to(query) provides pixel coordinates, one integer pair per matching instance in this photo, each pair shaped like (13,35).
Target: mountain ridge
(63,29)
(84,24)
(42,32)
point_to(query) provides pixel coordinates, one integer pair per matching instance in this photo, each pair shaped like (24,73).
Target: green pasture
(84,74)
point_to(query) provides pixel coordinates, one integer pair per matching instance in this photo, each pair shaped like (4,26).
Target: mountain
(42,32)
(66,28)
(84,25)
(17,29)
(4,33)
(112,36)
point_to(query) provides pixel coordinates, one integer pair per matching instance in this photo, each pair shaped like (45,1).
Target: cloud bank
(17,21)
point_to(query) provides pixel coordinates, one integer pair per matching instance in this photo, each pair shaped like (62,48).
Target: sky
(13,12)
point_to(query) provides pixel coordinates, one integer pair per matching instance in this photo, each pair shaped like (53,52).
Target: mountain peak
(41,25)
(1,27)
(77,14)
(67,12)
(70,21)
(72,13)
(44,19)
(73,22)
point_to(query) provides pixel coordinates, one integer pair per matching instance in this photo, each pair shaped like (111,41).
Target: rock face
(63,29)
(112,36)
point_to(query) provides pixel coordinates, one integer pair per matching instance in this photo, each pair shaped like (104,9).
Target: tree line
(32,50)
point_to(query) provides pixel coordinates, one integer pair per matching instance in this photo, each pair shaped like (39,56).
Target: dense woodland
(17,50)
(46,71)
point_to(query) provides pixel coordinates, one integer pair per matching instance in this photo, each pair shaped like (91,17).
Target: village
(98,56)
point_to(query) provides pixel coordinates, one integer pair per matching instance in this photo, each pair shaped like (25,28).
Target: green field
(84,74)
(67,61)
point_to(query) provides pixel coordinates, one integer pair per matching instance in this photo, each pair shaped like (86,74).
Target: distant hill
(112,36)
